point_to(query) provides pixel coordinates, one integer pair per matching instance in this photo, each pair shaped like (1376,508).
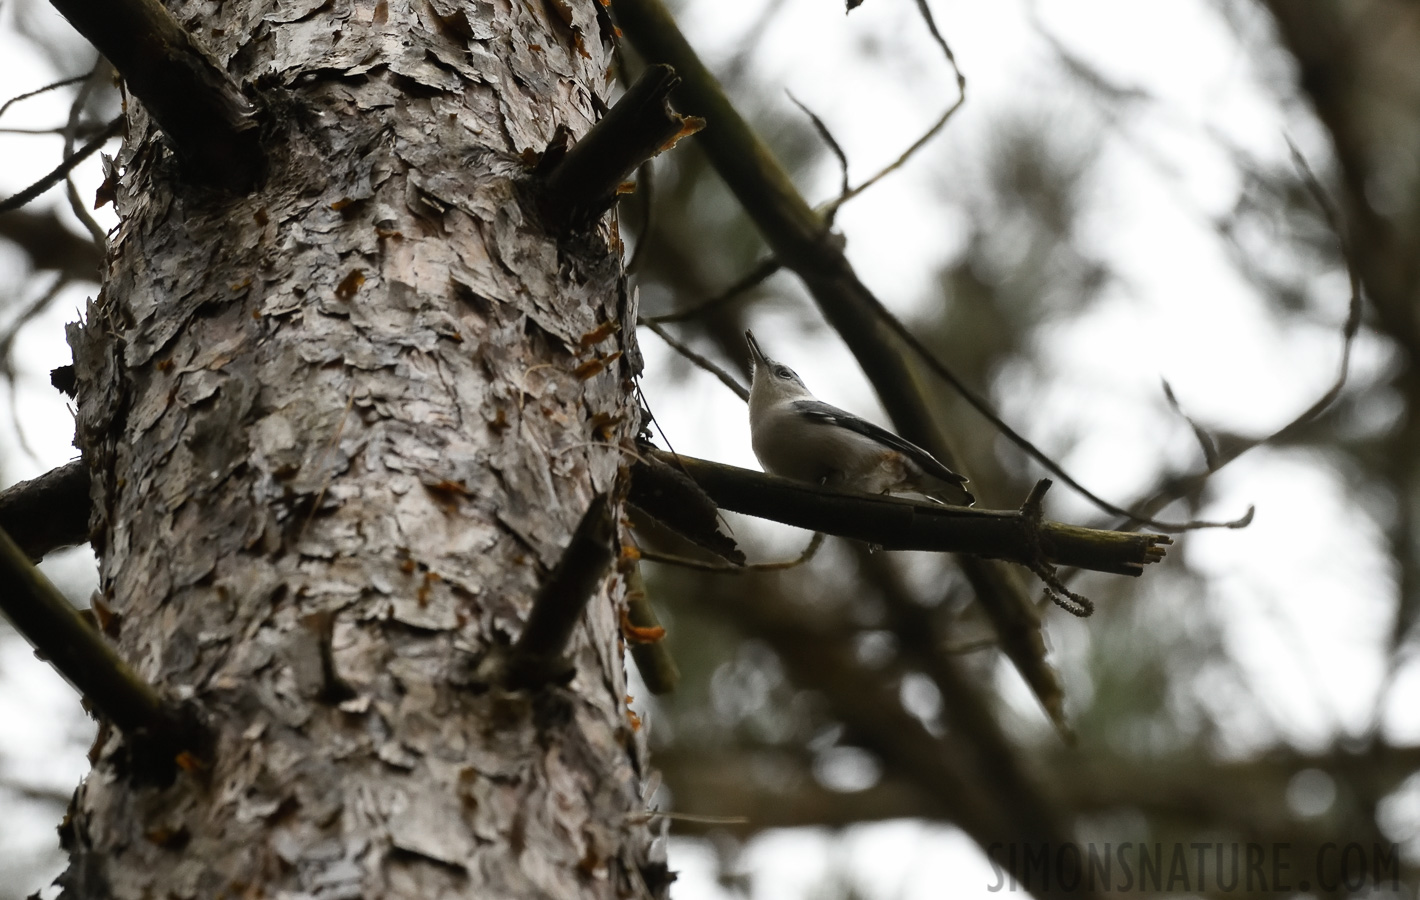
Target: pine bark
(362,404)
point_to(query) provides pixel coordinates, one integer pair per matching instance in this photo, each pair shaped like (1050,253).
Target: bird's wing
(826,414)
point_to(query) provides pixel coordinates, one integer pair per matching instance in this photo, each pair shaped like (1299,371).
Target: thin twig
(57,175)
(1353,273)
(926,12)
(1033,510)
(37,91)
(832,143)
(37,793)
(761,273)
(1206,444)
(1349,330)
(686,562)
(71,130)
(831,208)
(983,407)
(725,377)
(88,130)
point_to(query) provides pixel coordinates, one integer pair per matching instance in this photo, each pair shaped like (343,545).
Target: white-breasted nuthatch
(799,437)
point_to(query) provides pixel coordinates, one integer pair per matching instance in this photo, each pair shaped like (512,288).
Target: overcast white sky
(1179,303)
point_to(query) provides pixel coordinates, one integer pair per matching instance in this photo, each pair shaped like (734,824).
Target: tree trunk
(349,407)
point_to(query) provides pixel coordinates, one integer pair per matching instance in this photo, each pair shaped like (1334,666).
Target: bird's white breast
(786,444)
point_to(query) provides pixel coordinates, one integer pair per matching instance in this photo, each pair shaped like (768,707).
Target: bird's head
(773,381)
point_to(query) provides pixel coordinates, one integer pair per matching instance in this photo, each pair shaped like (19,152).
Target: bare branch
(583,184)
(847,194)
(895,523)
(64,168)
(7,354)
(48,512)
(1220,457)
(99,73)
(726,568)
(800,239)
(832,143)
(40,613)
(195,101)
(537,657)
(726,378)
(761,273)
(653,660)
(37,91)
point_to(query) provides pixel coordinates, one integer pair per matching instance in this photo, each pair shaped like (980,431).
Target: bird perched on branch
(799,437)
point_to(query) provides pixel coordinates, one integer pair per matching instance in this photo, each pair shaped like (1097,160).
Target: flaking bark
(363,393)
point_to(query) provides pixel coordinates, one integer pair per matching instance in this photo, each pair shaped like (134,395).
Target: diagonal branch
(583,184)
(15,201)
(48,512)
(537,658)
(800,239)
(762,272)
(40,613)
(190,95)
(683,349)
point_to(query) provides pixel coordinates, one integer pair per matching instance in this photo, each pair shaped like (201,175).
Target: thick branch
(776,788)
(200,107)
(797,235)
(639,125)
(40,613)
(48,512)
(897,524)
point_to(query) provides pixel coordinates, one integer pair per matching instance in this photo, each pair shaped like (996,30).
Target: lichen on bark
(356,393)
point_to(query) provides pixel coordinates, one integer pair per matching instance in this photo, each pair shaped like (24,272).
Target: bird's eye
(783,372)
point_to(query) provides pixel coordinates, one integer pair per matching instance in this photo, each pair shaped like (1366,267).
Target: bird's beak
(755,353)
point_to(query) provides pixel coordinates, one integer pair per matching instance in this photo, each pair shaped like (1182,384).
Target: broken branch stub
(196,102)
(582,183)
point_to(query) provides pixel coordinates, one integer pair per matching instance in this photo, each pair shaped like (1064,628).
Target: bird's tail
(953,493)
